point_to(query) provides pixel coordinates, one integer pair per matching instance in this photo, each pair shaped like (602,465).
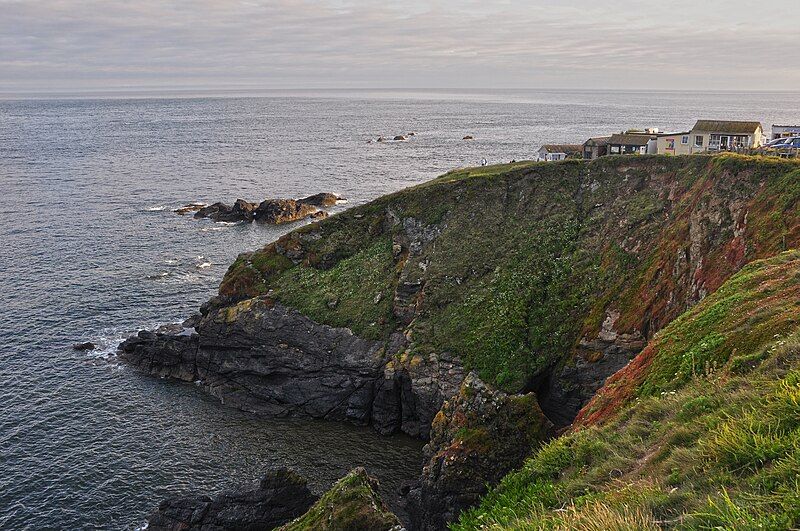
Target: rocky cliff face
(261,356)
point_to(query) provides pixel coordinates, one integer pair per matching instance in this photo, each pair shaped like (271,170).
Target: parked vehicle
(790,143)
(776,142)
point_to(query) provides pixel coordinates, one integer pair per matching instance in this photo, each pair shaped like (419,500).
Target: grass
(719,450)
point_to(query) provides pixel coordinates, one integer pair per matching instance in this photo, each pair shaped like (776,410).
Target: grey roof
(598,140)
(630,140)
(722,126)
(563,148)
(679,133)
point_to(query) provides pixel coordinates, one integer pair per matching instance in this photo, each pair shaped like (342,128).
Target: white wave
(156,208)
(170,261)
(341,201)
(204,265)
(158,275)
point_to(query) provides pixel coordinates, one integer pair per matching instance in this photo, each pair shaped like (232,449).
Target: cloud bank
(105,44)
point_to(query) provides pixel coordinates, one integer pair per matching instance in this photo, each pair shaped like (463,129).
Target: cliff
(540,278)
(701,431)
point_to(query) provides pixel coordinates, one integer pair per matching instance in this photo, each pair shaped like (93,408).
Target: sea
(92,250)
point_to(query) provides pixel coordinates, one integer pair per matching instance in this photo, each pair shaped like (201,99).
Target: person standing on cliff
(484,162)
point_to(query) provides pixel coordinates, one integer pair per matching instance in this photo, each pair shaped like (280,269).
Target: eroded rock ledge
(263,357)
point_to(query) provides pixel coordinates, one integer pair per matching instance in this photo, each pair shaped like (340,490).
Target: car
(790,143)
(774,142)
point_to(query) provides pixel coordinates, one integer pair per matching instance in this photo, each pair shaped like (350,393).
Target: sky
(86,45)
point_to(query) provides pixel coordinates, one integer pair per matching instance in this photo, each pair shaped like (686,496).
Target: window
(685,140)
(614,149)
(698,141)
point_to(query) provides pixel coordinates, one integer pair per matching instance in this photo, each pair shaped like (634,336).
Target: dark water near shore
(90,250)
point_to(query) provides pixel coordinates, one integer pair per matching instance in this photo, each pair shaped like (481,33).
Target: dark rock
(187,209)
(565,388)
(321,214)
(468,137)
(263,357)
(277,211)
(84,346)
(399,137)
(320,200)
(211,211)
(240,211)
(280,497)
(477,438)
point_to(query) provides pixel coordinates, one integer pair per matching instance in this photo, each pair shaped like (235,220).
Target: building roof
(630,140)
(679,133)
(563,148)
(721,126)
(598,140)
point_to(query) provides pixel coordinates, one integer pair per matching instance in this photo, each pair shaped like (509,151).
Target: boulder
(320,200)
(277,211)
(281,496)
(399,137)
(240,211)
(468,137)
(84,346)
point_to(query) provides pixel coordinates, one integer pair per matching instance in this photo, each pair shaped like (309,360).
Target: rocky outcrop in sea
(271,211)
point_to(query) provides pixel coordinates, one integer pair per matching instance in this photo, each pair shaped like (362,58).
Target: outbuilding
(551,152)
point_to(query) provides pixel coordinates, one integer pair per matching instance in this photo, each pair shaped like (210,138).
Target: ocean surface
(90,250)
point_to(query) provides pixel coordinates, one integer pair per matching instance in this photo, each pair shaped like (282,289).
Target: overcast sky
(51,45)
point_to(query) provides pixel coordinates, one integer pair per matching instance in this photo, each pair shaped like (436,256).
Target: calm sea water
(90,250)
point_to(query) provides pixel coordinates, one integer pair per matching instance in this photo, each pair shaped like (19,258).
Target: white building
(551,152)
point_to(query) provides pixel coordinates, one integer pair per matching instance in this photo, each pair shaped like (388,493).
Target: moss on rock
(352,503)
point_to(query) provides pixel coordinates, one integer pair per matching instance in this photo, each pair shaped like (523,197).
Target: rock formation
(479,436)
(281,496)
(272,211)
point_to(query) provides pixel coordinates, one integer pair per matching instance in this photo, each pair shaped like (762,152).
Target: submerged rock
(478,437)
(468,137)
(352,503)
(281,496)
(84,346)
(399,137)
(188,209)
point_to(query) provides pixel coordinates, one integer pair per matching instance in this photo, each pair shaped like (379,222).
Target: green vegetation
(354,293)
(510,266)
(717,448)
(350,504)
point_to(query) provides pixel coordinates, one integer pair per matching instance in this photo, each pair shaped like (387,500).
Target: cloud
(67,44)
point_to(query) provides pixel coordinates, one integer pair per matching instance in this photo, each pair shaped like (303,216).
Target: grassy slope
(707,436)
(528,257)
